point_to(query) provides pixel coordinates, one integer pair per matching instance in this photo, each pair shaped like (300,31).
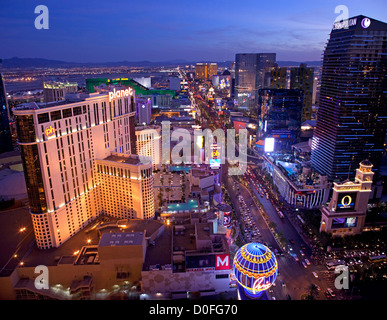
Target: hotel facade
(61,143)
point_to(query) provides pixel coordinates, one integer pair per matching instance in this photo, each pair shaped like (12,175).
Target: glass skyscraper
(351,120)
(279,116)
(301,78)
(250,70)
(5,131)
(296,78)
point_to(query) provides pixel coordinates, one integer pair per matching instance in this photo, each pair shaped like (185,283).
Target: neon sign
(120,93)
(49,131)
(260,285)
(348,203)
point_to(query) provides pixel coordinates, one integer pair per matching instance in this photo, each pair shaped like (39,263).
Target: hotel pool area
(180,168)
(191,204)
(289,167)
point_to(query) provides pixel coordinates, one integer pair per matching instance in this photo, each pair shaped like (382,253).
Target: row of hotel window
(75,111)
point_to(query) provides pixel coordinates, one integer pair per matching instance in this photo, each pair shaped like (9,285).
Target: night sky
(157,30)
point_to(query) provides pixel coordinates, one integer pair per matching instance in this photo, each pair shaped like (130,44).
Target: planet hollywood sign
(120,93)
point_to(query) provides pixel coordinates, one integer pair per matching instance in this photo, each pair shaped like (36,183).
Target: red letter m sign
(222,262)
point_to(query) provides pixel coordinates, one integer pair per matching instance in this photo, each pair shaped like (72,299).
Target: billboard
(349,222)
(214,163)
(215,157)
(204,262)
(227,219)
(208,262)
(269,144)
(346,201)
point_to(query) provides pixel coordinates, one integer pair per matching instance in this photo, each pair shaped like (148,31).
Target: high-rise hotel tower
(75,153)
(351,120)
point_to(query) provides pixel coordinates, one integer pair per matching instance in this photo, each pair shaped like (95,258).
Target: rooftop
(69,99)
(155,256)
(130,225)
(121,239)
(123,158)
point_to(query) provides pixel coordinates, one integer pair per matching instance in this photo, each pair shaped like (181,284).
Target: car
(315,274)
(304,264)
(331,293)
(273,298)
(283,283)
(302,253)
(307,262)
(291,241)
(294,256)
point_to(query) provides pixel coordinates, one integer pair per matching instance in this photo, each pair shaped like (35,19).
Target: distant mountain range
(25,63)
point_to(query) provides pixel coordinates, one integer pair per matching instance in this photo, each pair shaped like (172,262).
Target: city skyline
(97,31)
(178,173)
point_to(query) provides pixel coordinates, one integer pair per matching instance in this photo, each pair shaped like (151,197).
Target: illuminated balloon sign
(255,268)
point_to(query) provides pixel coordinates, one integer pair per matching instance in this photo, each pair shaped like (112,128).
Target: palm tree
(312,292)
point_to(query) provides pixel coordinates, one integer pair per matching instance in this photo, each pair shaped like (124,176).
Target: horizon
(97,32)
(145,60)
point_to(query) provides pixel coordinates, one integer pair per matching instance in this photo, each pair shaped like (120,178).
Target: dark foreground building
(351,122)
(5,131)
(279,116)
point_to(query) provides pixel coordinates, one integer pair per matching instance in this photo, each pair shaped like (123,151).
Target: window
(67,113)
(43,117)
(56,115)
(77,111)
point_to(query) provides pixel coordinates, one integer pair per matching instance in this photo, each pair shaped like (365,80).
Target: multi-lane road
(295,275)
(294,278)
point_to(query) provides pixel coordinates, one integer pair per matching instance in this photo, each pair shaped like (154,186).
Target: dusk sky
(155,30)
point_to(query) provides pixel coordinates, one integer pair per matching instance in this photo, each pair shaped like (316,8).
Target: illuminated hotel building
(60,144)
(296,78)
(148,143)
(56,91)
(126,186)
(205,71)
(302,78)
(346,212)
(250,71)
(143,109)
(351,120)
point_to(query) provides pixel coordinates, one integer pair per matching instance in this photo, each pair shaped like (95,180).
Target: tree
(272,225)
(312,292)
